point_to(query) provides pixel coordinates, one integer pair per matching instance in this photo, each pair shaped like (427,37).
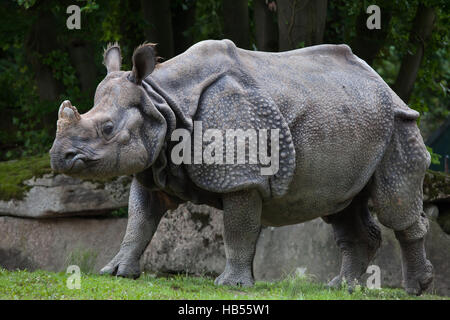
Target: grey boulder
(62,196)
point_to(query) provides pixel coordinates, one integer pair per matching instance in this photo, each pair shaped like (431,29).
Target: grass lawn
(50,285)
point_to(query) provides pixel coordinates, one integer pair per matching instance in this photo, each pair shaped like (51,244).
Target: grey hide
(344,137)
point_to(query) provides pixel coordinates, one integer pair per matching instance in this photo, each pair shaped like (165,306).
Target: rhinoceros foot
(233,276)
(234,280)
(417,282)
(122,266)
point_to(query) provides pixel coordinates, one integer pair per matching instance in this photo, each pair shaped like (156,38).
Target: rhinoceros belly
(324,183)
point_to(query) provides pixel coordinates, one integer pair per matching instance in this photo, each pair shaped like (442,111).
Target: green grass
(84,259)
(13,173)
(49,285)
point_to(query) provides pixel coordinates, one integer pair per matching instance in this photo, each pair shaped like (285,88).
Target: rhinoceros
(339,136)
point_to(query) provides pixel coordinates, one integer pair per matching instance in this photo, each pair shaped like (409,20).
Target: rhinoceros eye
(107,129)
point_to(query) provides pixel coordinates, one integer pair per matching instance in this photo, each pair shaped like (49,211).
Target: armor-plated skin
(345,137)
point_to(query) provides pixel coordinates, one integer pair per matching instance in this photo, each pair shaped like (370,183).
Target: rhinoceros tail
(401,109)
(406,114)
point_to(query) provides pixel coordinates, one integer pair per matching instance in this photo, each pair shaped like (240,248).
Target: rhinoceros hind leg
(241,217)
(358,238)
(417,270)
(398,198)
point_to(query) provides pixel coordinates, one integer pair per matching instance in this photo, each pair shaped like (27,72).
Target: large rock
(62,196)
(185,242)
(189,240)
(311,246)
(53,244)
(436,187)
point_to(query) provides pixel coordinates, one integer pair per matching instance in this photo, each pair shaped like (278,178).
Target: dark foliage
(43,63)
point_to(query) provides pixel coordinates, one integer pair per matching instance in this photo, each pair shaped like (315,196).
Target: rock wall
(55,196)
(189,239)
(311,246)
(53,244)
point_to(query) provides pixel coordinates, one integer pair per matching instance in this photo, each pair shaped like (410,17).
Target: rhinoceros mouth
(80,162)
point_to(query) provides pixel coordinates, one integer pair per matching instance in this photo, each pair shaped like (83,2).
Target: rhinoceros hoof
(122,267)
(235,279)
(418,282)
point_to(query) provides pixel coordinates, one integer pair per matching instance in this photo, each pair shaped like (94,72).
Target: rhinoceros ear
(112,59)
(144,61)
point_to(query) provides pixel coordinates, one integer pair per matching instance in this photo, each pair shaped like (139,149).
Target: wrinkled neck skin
(163,175)
(175,88)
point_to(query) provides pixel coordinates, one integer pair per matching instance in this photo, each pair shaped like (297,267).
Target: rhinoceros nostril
(70,155)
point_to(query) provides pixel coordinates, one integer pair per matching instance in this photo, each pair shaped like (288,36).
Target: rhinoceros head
(122,134)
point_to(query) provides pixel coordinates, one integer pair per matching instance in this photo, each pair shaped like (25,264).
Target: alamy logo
(74,20)
(230,146)
(374,20)
(74,280)
(374,280)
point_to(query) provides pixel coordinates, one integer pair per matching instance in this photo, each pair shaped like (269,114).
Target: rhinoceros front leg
(145,210)
(242,221)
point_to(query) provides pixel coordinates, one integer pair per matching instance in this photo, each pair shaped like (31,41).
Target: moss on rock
(436,186)
(120,213)
(14,173)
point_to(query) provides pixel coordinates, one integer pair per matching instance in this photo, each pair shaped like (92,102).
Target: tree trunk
(183,18)
(158,16)
(82,58)
(420,32)
(40,42)
(266,28)
(368,43)
(236,23)
(301,23)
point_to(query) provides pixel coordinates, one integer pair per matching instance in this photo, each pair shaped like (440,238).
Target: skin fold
(344,137)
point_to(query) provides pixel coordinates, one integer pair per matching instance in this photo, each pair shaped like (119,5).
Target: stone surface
(53,244)
(311,245)
(438,251)
(280,251)
(62,196)
(189,240)
(185,242)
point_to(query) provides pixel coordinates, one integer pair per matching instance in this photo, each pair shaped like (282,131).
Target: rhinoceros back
(332,107)
(341,115)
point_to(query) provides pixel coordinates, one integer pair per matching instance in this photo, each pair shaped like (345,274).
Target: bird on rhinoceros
(270,138)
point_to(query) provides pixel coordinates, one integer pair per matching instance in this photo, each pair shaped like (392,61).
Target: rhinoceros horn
(68,112)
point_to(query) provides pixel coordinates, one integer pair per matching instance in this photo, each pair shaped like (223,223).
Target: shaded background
(43,63)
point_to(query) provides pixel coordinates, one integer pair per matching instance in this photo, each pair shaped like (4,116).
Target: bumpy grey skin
(357,236)
(345,137)
(242,222)
(145,211)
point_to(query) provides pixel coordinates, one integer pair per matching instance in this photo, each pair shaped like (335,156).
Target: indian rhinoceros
(342,137)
